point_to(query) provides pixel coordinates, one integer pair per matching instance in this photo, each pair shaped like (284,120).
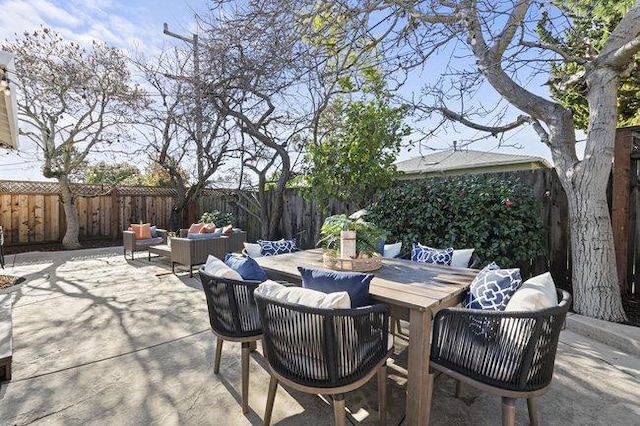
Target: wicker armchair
(234,317)
(510,354)
(324,351)
(132,244)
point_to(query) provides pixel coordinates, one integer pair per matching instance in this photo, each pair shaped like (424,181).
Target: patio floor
(102,340)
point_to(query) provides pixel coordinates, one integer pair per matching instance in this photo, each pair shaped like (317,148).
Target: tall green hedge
(497,216)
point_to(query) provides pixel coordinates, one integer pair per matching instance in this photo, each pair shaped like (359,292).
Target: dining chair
(507,353)
(325,351)
(233,315)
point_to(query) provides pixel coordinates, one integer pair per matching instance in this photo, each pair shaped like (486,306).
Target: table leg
(418,381)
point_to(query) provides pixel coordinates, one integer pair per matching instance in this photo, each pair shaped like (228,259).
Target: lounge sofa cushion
(149,241)
(195,228)
(205,236)
(354,283)
(227,229)
(218,268)
(208,228)
(245,266)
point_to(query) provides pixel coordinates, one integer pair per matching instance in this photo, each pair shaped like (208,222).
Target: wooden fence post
(620,202)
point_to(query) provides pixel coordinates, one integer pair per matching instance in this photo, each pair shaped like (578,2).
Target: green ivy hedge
(497,216)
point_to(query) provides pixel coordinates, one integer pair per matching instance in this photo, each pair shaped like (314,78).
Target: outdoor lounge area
(130,343)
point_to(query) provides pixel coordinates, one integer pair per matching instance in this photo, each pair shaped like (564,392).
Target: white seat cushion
(536,293)
(218,268)
(305,296)
(460,258)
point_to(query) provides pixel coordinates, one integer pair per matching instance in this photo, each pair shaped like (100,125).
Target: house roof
(450,161)
(8,105)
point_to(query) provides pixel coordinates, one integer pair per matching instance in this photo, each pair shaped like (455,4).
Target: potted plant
(367,237)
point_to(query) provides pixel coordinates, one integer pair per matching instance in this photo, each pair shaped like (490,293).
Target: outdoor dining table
(413,292)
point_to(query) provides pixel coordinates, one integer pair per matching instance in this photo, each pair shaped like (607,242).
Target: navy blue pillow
(493,287)
(245,266)
(356,284)
(273,248)
(424,254)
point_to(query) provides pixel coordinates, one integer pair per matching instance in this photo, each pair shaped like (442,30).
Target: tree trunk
(596,291)
(70,239)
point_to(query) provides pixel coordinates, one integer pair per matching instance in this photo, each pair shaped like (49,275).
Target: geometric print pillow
(493,287)
(424,254)
(272,248)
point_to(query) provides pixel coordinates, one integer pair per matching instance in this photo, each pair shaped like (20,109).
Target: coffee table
(161,250)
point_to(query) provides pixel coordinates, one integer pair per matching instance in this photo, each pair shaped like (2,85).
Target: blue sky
(137,24)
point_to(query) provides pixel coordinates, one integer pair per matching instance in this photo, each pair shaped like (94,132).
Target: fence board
(5,217)
(38,217)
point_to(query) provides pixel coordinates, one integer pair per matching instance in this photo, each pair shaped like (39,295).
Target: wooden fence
(31,214)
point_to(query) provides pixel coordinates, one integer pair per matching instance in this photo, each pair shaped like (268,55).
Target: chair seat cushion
(218,268)
(536,293)
(424,254)
(305,296)
(149,241)
(356,284)
(245,266)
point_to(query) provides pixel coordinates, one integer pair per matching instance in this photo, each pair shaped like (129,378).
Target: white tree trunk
(70,240)
(596,291)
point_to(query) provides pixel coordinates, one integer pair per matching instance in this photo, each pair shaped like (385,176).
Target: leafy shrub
(220,219)
(497,216)
(367,234)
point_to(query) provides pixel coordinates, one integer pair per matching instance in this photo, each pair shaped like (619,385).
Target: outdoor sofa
(192,252)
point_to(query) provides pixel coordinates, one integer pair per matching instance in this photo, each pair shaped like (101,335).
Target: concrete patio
(102,340)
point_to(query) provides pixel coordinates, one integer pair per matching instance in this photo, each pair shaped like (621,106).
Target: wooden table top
(399,282)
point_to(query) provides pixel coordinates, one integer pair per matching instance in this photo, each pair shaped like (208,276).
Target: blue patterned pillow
(424,254)
(272,248)
(354,283)
(493,287)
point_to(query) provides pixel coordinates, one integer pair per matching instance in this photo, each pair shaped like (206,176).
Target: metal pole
(196,71)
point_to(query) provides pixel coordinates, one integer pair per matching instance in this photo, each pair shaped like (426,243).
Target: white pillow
(218,268)
(253,249)
(305,296)
(536,293)
(392,250)
(460,258)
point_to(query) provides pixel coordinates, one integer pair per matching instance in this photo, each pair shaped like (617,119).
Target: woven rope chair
(233,315)
(325,351)
(509,354)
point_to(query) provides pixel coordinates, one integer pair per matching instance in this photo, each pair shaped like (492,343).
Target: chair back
(508,350)
(324,348)
(232,308)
